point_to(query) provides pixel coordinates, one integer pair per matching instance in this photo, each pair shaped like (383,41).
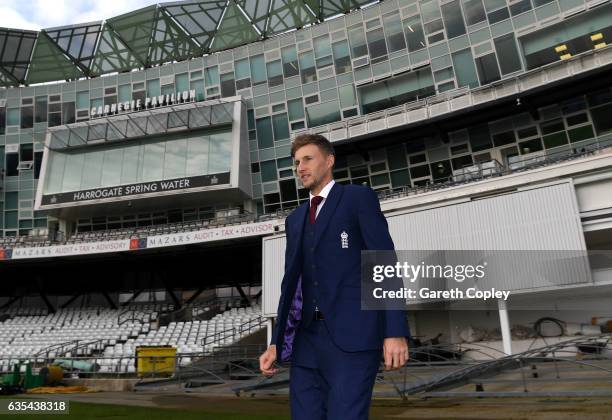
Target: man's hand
(395,350)
(266,360)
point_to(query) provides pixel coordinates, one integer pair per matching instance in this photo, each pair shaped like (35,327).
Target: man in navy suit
(334,346)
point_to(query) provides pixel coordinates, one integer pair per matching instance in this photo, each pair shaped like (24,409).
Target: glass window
(501,139)
(296,109)
(530,146)
(324,113)
(124,94)
(82,100)
(322,50)
(264,133)
(68,113)
(396,91)
(73,172)
(487,69)
(541,2)
(553,126)
(26,152)
(453,20)
(430,10)
(464,68)
(414,33)
(12,116)
(441,170)
(287,189)
(153,88)
(581,133)
(509,60)
(211,76)
(347,96)
(40,109)
(129,169)
(153,162)
(307,67)
(182,82)
(290,62)
(11,218)
(601,119)
(275,73)
(12,161)
(12,201)
(258,70)
(395,33)
(242,69)
(53,183)
(434,26)
(280,126)
(93,175)
(111,169)
(342,57)
(198,86)
(520,7)
(175,159)
(474,11)
(494,4)
(498,15)
(419,171)
(268,170)
(377,45)
(228,88)
(220,152)
(197,155)
(396,156)
(27,117)
(555,140)
(358,41)
(480,137)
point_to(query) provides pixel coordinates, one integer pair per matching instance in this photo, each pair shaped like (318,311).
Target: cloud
(39,14)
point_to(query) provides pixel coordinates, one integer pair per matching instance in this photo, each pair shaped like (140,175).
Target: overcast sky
(39,14)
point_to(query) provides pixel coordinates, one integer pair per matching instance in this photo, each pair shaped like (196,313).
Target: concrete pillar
(269,327)
(504,323)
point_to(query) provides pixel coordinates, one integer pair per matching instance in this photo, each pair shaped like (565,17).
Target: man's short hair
(318,140)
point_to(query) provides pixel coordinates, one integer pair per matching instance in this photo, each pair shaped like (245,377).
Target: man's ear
(331,160)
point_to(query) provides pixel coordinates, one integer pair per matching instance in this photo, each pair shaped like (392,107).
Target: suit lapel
(326,213)
(298,219)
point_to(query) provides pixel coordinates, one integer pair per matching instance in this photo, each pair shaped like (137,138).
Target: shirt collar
(325,191)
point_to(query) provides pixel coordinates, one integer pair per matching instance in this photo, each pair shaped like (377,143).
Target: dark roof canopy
(153,35)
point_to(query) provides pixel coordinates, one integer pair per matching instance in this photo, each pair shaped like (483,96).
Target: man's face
(313,166)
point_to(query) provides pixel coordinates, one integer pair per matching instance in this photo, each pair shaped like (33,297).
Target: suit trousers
(327,383)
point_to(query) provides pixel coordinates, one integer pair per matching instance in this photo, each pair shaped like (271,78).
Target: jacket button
(316,283)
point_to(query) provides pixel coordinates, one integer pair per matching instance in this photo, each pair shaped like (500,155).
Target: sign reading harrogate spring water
(136,189)
(139,104)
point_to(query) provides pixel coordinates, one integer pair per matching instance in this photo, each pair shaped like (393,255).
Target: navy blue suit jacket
(355,210)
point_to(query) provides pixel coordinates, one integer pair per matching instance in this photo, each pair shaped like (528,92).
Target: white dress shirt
(324,193)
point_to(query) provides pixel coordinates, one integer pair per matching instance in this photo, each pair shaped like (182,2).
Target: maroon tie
(314,203)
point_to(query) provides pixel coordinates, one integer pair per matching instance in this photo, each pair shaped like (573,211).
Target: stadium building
(146,159)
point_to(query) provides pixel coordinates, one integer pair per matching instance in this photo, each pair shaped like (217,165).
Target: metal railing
(481,172)
(133,315)
(218,338)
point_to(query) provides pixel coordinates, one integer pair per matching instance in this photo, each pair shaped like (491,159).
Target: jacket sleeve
(375,233)
(281,300)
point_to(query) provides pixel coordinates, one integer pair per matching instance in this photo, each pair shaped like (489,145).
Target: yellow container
(152,361)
